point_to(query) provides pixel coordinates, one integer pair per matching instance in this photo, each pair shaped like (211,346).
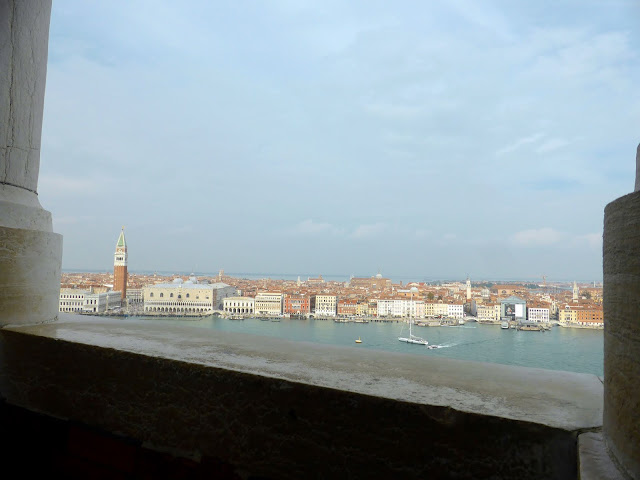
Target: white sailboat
(413,338)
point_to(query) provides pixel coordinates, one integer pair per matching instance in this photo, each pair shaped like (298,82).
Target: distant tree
(430,295)
(587,295)
(439,297)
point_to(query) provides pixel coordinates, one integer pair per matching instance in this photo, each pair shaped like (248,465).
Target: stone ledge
(280,409)
(594,462)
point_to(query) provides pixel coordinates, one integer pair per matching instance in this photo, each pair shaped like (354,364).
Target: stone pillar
(31,254)
(621,256)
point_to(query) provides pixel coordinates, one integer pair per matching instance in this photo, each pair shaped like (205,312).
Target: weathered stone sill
(269,408)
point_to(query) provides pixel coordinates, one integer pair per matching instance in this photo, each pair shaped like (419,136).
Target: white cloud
(593,240)
(369,230)
(422,233)
(309,227)
(537,237)
(551,145)
(519,143)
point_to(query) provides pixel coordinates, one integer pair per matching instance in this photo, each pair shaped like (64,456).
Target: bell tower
(120,266)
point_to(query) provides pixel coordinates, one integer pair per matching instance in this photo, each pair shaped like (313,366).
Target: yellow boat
(358,340)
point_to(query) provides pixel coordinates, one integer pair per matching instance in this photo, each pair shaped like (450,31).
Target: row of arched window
(179,295)
(176,310)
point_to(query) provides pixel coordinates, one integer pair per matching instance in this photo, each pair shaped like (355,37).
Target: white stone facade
(84,301)
(538,315)
(239,305)
(401,308)
(324,305)
(269,304)
(455,310)
(489,312)
(185,298)
(134,295)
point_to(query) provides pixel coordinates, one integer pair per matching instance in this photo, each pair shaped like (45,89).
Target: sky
(421,140)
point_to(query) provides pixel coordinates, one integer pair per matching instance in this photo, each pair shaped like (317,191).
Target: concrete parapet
(276,409)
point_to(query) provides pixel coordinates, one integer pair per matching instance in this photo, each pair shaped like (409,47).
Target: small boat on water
(358,340)
(505,325)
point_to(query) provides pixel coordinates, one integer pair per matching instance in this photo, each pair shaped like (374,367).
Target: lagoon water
(570,349)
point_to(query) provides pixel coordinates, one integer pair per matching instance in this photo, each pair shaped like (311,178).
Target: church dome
(177,280)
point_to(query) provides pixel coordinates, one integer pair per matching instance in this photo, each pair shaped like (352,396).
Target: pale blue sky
(424,139)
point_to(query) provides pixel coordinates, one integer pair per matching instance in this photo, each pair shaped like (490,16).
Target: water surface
(570,349)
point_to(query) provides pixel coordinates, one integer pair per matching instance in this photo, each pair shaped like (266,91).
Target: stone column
(31,254)
(621,256)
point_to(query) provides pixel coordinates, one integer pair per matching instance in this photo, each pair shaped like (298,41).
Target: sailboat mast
(410,315)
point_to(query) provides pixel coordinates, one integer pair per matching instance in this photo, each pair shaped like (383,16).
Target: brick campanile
(120,266)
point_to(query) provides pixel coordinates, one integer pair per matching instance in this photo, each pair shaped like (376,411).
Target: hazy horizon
(330,276)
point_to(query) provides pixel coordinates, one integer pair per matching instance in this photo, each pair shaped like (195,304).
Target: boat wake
(446,345)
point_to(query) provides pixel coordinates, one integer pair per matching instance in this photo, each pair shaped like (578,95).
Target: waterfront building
(324,305)
(568,316)
(134,296)
(347,308)
(591,317)
(581,315)
(537,314)
(489,312)
(440,309)
(373,308)
(401,308)
(455,310)
(268,303)
(185,298)
(238,305)
(362,309)
(429,309)
(513,309)
(297,304)
(384,307)
(120,266)
(73,300)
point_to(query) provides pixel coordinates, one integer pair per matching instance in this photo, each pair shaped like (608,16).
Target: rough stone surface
(594,462)
(637,169)
(24,39)
(621,264)
(279,409)
(29,276)
(31,254)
